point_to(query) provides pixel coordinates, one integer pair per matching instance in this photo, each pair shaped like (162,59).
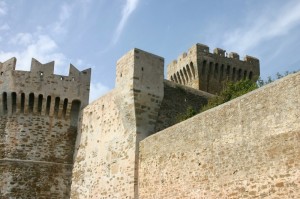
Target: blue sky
(96,33)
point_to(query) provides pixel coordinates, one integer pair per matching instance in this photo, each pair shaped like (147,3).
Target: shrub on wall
(231,90)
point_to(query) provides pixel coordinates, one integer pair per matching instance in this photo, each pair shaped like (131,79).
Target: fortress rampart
(40,92)
(127,145)
(107,149)
(246,148)
(38,126)
(200,69)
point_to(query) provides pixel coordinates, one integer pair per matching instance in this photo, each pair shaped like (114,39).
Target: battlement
(201,69)
(41,92)
(42,69)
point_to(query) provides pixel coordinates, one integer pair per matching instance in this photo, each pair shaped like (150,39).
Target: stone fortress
(125,144)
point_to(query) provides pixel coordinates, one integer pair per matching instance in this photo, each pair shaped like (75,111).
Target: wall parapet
(41,92)
(245,148)
(201,69)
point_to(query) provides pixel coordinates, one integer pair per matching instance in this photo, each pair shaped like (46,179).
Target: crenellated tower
(200,69)
(39,113)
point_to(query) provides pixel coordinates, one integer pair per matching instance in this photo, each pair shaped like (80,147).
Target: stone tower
(200,69)
(107,149)
(38,126)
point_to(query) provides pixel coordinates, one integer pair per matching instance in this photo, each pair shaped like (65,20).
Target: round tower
(39,114)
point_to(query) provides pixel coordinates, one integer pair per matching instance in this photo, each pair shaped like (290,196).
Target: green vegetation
(231,90)
(190,112)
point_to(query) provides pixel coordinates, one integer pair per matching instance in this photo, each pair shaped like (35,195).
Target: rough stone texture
(105,150)
(34,179)
(106,157)
(177,99)
(247,148)
(200,69)
(38,128)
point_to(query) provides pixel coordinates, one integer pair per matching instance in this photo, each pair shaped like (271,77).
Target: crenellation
(212,69)
(39,113)
(219,52)
(8,65)
(127,144)
(234,55)
(41,70)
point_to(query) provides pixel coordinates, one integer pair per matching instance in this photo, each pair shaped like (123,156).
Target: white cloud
(129,7)
(3,8)
(265,27)
(43,48)
(22,39)
(64,15)
(97,90)
(4,27)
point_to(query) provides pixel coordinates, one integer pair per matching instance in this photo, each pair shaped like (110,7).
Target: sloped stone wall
(247,148)
(177,99)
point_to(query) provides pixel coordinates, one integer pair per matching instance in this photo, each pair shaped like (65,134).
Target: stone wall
(38,127)
(36,155)
(104,159)
(106,156)
(247,148)
(177,99)
(200,69)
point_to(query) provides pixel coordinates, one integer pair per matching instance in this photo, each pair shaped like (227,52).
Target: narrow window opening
(175,78)
(239,74)
(4,98)
(179,79)
(1,73)
(22,102)
(40,103)
(61,78)
(56,106)
(222,72)
(182,77)
(192,68)
(203,67)
(73,79)
(65,107)
(42,74)
(216,72)
(210,69)
(142,69)
(228,71)
(233,74)
(189,72)
(250,75)
(48,105)
(185,75)
(245,74)
(13,102)
(31,103)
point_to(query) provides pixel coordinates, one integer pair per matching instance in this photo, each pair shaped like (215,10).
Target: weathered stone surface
(126,146)
(200,69)
(38,128)
(247,148)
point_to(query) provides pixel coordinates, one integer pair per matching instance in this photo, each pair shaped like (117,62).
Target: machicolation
(126,144)
(200,69)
